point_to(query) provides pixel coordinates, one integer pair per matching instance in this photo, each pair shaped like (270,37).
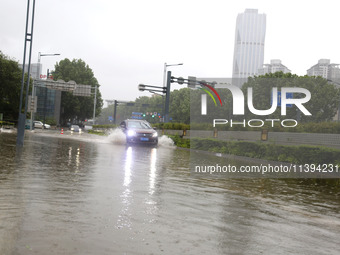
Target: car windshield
(138,125)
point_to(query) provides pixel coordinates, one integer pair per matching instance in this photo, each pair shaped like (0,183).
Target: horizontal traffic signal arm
(143,87)
(181,80)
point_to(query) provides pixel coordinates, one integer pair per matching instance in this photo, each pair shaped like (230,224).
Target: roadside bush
(6,123)
(292,154)
(172,126)
(320,127)
(105,126)
(94,132)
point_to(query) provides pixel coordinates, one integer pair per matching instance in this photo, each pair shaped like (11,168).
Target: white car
(75,128)
(39,124)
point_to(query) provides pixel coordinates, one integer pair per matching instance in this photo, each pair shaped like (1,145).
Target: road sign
(32,104)
(288,95)
(191,82)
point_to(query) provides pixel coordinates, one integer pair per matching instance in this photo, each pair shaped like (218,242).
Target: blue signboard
(288,95)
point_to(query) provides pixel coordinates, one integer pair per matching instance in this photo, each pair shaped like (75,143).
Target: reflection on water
(127,167)
(86,195)
(152,174)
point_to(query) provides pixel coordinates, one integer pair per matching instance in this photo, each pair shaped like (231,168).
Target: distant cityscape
(249,49)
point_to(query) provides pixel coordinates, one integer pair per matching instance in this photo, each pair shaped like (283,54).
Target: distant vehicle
(39,124)
(139,131)
(75,128)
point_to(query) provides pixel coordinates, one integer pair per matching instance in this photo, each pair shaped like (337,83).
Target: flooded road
(86,194)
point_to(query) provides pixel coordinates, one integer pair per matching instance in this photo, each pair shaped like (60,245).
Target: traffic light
(141,87)
(144,115)
(153,116)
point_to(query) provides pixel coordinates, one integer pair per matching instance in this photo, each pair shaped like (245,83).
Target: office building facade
(49,100)
(249,45)
(274,66)
(325,69)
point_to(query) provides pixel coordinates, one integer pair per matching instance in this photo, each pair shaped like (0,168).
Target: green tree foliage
(324,96)
(213,111)
(10,85)
(179,107)
(185,104)
(77,107)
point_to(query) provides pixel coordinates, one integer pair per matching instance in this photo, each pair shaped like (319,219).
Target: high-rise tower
(249,45)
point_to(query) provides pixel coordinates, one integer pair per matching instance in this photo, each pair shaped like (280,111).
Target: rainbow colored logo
(209,93)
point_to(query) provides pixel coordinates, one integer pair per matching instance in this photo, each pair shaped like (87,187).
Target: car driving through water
(139,132)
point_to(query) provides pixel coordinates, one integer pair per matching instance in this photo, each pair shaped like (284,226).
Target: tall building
(274,66)
(49,101)
(35,70)
(320,69)
(249,45)
(325,69)
(329,71)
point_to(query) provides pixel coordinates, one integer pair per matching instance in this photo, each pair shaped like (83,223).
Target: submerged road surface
(84,194)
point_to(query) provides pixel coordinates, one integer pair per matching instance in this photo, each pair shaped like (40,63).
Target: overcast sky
(127,42)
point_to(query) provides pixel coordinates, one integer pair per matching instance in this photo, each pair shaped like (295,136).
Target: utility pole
(115,112)
(28,38)
(45,100)
(94,104)
(167,98)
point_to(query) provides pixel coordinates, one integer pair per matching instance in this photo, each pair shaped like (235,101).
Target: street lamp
(164,75)
(44,55)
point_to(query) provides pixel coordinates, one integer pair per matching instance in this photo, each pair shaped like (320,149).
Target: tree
(324,96)
(180,105)
(77,107)
(10,86)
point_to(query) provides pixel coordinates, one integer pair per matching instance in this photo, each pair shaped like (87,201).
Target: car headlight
(131,133)
(72,129)
(155,134)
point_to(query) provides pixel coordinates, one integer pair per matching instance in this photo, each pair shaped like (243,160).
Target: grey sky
(127,42)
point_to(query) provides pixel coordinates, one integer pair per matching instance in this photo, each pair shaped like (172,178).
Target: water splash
(165,141)
(8,130)
(117,136)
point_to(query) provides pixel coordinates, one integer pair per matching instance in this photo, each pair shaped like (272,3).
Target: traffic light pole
(167,98)
(115,112)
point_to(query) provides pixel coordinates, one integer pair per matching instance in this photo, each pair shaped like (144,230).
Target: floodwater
(86,194)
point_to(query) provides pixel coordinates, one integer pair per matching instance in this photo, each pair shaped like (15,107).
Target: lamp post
(44,55)
(165,67)
(28,39)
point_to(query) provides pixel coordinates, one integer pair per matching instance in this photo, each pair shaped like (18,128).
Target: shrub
(292,154)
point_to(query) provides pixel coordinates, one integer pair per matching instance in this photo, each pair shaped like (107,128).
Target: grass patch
(302,154)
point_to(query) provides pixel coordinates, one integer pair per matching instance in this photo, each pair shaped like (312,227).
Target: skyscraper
(249,45)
